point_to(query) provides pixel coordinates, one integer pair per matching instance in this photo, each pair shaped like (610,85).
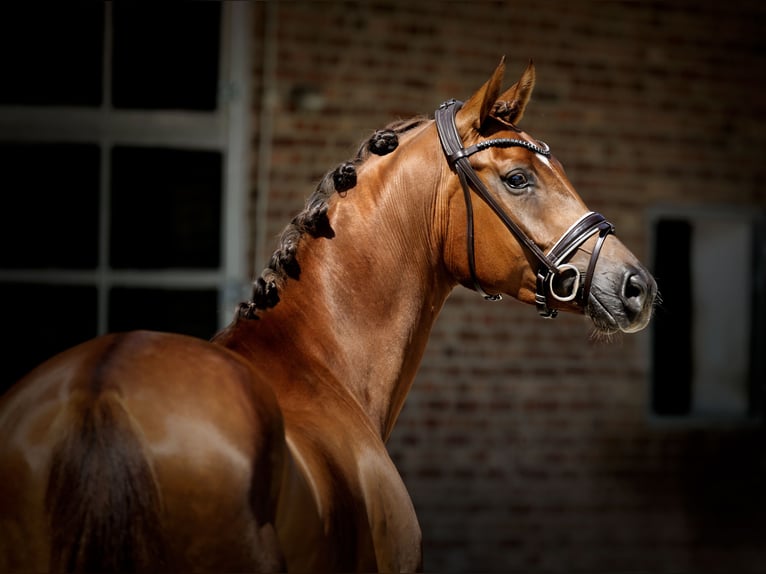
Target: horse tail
(102,498)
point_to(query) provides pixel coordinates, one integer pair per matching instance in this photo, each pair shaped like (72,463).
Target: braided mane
(313,219)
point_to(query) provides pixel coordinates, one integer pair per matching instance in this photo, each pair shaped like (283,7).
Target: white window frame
(225,130)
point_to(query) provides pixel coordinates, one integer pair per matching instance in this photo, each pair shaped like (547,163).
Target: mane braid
(313,219)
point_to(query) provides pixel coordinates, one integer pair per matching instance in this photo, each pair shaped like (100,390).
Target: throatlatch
(573,285)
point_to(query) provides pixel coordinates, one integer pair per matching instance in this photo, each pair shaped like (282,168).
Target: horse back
(138,450)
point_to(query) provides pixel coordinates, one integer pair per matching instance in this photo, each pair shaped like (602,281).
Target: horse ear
(477,109)
(511,105)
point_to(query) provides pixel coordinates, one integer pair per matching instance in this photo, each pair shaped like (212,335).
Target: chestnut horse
(264,449)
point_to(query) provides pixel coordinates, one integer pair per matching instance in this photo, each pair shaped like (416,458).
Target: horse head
(530,235)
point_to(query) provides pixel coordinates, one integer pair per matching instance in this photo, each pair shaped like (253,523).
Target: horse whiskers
(604,337)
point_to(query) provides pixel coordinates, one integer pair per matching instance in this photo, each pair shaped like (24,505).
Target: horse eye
(517,180)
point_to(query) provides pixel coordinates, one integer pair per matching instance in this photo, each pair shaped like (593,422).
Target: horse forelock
(312,220)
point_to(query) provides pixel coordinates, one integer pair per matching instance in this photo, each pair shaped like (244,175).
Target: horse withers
(264,449)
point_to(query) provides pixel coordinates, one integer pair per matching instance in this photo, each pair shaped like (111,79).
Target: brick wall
(526,444)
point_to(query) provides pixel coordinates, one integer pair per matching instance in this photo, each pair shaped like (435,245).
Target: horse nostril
(634,292)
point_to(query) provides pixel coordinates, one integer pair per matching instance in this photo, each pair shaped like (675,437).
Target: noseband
(552,264)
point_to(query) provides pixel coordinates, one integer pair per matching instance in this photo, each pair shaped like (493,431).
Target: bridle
(552,264)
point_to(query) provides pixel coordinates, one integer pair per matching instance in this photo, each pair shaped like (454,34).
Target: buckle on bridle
(545,287)
(575,287)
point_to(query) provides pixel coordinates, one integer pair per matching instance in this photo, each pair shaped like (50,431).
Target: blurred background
(150,153)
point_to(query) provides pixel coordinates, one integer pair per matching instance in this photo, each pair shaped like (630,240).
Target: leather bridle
(552,264)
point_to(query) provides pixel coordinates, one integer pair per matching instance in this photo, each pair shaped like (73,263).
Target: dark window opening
(40,321)
(166,55)
(709,334)
(49,206)
(671,343)
(191,312)
(166,208)
(51,54)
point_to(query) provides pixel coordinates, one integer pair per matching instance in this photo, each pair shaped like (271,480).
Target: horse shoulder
(352,498)
(300,525)
(391,515)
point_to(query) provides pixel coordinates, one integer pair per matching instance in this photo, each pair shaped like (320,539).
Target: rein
(550,265)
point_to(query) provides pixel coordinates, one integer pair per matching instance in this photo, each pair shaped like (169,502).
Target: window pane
(40,321)
(49,206)
(51,54)
(672,324)
(166,208)
(707,334)
(166,55)
(178,311)
(721,363)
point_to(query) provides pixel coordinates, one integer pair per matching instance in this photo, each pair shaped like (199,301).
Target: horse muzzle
(622,299)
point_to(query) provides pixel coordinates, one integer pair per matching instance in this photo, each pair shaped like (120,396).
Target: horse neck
(359,316)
